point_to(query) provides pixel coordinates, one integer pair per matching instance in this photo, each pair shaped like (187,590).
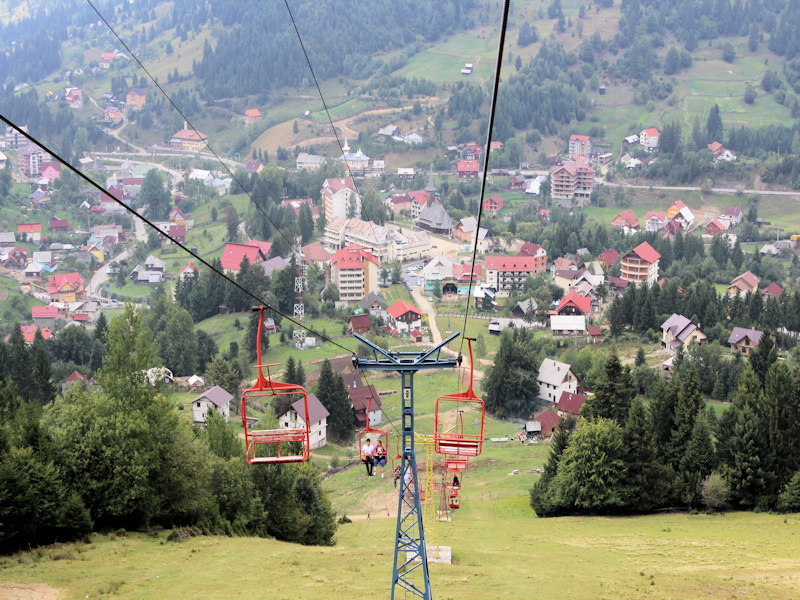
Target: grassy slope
(498,551)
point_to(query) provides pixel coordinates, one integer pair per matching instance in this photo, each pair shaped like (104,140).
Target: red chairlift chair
(449,434)
(454,500)
(269,446)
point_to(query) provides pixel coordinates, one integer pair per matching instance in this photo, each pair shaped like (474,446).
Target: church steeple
(346,147)
(431,188)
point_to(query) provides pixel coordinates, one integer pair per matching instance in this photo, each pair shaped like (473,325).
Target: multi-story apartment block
(640,265)
(580,145)
(337,195)
(572,180)
(508,273)
(354,271)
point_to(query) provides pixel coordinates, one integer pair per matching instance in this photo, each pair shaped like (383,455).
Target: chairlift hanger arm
(404,361)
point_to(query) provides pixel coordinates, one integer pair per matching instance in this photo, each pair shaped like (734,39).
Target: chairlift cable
(492,112)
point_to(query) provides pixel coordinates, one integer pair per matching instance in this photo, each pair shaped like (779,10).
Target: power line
(167,235)
(503,26)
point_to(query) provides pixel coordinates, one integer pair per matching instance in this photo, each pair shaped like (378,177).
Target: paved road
(100,276)
(697,189)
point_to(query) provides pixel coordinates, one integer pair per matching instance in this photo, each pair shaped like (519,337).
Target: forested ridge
(261,50)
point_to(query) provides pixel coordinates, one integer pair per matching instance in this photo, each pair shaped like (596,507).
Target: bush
(789,500)
(715,492)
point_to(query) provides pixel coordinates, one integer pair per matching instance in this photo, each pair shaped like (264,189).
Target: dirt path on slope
(27,591)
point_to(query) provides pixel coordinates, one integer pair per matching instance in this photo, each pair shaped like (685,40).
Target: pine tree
(641,359)
(764,355)
(300,375)
(333,395)
(662,415)
(782,415)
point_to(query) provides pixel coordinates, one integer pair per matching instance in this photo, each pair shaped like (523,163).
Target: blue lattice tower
(410,570)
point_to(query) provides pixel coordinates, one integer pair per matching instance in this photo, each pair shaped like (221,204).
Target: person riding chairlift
(379,458)
(367,450)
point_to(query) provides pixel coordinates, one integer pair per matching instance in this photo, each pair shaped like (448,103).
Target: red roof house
(467,169)
(715,227)
(574,304)
(626,221)
(608,258)
(570,403)
(265,247)
(234,253)
(773,289)
(493,204)
(359,324)
(548,420)
(60,225)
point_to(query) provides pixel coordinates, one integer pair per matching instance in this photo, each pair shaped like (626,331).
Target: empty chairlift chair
(272,446)
(451,435)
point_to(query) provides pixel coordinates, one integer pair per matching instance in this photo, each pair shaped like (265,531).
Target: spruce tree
(289,372)
(747,473)
(698,462)
(662,415)
(689,405)
(613,394)
(647,485)
(5,360)
(300,375)
(782,415)
(333,395)
(100,328)
(765,354)
(43,389)
(21,364)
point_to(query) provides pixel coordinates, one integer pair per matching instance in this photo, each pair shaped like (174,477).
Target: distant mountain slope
(262,52)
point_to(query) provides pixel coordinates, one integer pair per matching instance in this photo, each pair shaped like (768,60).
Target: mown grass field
(500,550)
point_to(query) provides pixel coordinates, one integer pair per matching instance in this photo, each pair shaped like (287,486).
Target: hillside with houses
(618,254)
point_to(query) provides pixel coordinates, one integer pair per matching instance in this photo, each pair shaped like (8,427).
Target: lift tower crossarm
(409,546)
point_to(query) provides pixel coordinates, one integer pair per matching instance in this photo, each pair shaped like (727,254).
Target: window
(198,405)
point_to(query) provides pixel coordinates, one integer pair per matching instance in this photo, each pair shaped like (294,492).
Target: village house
(74,379)
(214,399)
(640,265)
(679,331)
(674,209)
(627,222)
(405,173)
(535,251)
(580,145)
(508,273)
(772,290)
(654,221)
(176,215)
(649,139)
(51,171)
(685,218)
(388,131)
(525,307)
(7,239)
(721,153)
(733,215)
(493,204)
(44,316)
(189,139)
(715,227)
(542,425)
(188,270)
(744,284)
(66,287)
(113,115)
(375,305)
(135,99)
(570,404)
(234,253)
(358,324)
(568,326)
(354,272)
(566,278)
(309,162)
(574,304)
(555,378)
(294,418)
(467,169)
(437,269)
(608,258)
(314,253)
(251,115)
(744,340)
(364,398)
(570,181)
(404,317)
